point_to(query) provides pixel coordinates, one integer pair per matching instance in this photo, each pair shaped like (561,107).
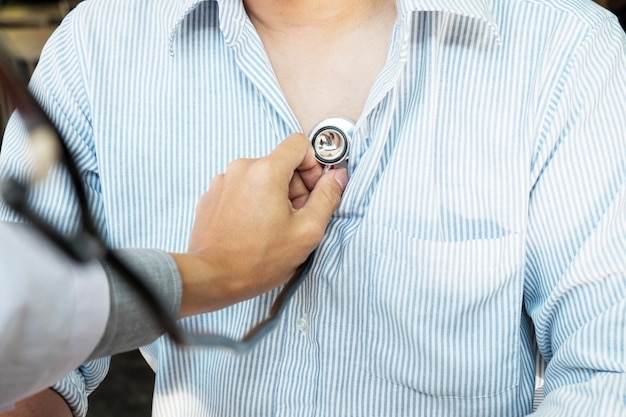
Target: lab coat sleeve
(53,312)
(575,288)
(131,324)
(60,83)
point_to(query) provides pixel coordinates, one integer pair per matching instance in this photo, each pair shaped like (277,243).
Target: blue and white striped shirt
(485,216)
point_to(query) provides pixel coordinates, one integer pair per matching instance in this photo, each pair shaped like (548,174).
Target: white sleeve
(53,312)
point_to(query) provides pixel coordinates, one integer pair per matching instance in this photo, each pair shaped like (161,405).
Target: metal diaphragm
(331,140)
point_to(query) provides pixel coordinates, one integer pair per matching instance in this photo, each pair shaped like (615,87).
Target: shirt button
(302,323)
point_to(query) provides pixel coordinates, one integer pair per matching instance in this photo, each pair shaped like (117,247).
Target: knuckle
(312,232)
(237,165)
(233,165)
(264,166)
(214,186)
(264,170)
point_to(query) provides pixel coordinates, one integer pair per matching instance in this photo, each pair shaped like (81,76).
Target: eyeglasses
(87,244)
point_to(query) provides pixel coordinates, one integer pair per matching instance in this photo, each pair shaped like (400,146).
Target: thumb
(325,197)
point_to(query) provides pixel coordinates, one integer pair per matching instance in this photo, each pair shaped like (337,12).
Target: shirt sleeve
(53,312)
(575,288)
(59,82)
(131,322)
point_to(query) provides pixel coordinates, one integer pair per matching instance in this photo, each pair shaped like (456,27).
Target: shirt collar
(178,10)
(473,9)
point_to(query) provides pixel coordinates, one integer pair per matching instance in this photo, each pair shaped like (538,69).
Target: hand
(256,224)
(46,403)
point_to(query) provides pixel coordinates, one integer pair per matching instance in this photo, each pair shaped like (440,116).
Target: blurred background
(25,25)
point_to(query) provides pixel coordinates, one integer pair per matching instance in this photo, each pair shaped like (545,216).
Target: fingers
(293,170)
(309,169)
(298,191)
(257,222)
(294,158)
(323,201)
(293,153)
(311,175)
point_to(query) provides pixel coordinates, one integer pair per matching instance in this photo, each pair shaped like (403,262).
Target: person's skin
(254,226)
(257,223)
(326,55)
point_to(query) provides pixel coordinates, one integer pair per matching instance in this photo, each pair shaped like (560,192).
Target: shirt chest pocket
(444,317)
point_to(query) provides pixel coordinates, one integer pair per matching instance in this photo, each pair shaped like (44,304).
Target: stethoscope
(331,140)
(48,148)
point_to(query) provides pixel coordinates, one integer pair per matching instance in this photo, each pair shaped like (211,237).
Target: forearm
(46,403)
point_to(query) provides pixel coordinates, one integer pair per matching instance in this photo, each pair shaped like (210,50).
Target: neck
(327,15)
(321,46)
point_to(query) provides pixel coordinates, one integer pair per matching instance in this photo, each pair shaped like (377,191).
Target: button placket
(302,323)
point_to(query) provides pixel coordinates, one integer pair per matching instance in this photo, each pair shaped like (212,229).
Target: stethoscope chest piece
(331,140)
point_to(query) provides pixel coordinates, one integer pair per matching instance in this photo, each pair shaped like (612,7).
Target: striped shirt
(485,218)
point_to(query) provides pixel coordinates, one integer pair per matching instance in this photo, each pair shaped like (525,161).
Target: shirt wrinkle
(419,279)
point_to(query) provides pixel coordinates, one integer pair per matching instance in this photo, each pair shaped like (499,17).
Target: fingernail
(341,175)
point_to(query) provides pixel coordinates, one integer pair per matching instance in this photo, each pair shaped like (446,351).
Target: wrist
(205,288)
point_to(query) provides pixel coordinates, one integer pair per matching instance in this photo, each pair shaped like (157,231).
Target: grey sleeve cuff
(131,324)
